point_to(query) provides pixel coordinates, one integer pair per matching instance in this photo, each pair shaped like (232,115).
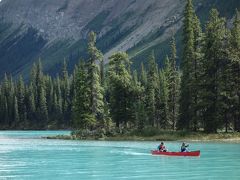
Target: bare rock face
(56,29)
(72,19)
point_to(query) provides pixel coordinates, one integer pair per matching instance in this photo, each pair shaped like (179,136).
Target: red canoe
(192,153)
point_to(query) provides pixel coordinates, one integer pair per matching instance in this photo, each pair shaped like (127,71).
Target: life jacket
(162,147)
(183,148)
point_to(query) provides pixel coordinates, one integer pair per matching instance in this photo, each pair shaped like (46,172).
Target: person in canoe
(184,147)
(162,147)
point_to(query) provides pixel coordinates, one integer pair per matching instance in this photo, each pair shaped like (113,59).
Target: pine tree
(5,94)
(39,81)
(8,96)
(197,71)
(49,97)
(167,69)
(6,114)
(43,111)
(16,114)
(93,80)
(141,116)
(10,99)
(143,76)
(102,72)
(31,106)
(21,100)
(136,99)
(140,105)
(214,55)
(151,90)
(164,107)
(83,118)
(39,88)
(186,66)
(235,70)
(65,93)
(173,85)
(59,102)
(1,107)
(225,84)
(119,83)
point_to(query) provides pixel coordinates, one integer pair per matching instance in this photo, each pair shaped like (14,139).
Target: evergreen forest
(202,94)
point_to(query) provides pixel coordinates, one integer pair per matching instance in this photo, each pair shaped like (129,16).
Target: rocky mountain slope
(54,30)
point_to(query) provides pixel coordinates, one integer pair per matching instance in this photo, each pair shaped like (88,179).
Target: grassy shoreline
(166,136)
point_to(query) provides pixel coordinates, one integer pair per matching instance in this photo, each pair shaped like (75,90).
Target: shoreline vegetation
(158,136)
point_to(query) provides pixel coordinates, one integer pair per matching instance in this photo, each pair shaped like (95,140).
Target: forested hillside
(202,94)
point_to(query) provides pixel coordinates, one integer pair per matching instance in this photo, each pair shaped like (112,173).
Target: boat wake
(127,152)
(136,153)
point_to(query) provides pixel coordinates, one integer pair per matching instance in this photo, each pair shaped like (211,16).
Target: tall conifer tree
(151,90)
(173,85)
(164,103)
(235,69)
(119,79)
(82,115)
(94,82)
(186,66)
(214,55)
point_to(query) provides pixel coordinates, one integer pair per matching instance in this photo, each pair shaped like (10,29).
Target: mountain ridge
(54,30)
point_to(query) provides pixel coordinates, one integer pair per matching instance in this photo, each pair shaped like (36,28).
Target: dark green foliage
(152,82)
(36,105)
(163,101)
(173,85)
(66,99)
(137,103)
(214,58)
(140,115)
(16,114)
(100,97)
(234,79)
(81,105)
(88,106)
(186,66)
(192,69)
(196,75)
(20,93)
(119,79)
(94,79)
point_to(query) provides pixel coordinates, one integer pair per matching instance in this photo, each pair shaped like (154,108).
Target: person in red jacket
(162,147)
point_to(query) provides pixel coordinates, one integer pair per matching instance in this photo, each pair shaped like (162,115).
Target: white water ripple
(24,155)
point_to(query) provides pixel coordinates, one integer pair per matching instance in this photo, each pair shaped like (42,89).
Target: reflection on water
(24,155)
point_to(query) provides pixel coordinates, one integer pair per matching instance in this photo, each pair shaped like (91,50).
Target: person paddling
(162,147)
(184,147)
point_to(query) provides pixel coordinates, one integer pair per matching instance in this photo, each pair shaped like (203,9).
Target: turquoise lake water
(25,155)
